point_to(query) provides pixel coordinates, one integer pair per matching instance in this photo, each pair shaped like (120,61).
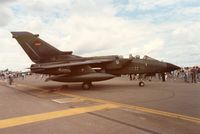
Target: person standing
(9,78)
(185,75)
(194,74)
(131,78)
(198,74)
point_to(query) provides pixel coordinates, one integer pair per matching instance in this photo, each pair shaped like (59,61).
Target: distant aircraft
(66,67)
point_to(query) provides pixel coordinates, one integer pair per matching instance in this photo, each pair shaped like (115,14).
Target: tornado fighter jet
(63,66)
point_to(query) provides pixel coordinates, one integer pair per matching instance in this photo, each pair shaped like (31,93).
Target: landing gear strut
(87,85)
(163,77)
(141,84)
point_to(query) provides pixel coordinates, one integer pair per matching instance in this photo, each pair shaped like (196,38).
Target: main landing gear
(87,85)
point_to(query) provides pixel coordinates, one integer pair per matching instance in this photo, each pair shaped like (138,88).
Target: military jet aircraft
(65,67)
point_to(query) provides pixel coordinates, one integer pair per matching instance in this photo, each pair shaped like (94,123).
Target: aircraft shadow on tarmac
(100,87)
(153,93)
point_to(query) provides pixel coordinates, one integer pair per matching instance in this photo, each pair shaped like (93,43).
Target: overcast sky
(168,30)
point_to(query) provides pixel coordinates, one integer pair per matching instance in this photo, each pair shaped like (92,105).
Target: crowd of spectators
(8,76)
(191,74)
(187,74)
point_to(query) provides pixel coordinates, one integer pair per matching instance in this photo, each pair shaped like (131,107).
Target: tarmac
(116,106)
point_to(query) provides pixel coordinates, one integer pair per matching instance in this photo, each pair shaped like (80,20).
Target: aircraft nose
(172,67)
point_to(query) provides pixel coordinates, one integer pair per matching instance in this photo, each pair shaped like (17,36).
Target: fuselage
(118,66)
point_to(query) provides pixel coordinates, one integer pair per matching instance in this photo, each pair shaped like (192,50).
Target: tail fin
(38,50)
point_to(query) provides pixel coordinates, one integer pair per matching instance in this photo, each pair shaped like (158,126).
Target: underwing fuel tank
(81,78)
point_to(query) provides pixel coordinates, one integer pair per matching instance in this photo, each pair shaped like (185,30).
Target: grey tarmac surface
(135,112)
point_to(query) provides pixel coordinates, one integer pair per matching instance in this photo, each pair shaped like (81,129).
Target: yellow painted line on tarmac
(28,86)
(68,100)
(16,121)
(143,109)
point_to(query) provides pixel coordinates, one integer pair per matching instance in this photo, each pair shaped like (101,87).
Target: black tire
(86,86)
(141,84)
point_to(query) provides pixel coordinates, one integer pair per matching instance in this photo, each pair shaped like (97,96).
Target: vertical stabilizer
(38,50)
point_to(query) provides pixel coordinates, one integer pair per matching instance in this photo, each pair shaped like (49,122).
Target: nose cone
(172,67)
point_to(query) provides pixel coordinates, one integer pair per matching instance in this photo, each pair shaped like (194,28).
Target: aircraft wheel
(86,85)
(141,84)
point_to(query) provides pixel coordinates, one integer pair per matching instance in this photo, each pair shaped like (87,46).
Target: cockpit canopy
(149,58)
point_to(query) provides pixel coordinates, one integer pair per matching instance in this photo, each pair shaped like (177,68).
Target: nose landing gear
(141,83)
